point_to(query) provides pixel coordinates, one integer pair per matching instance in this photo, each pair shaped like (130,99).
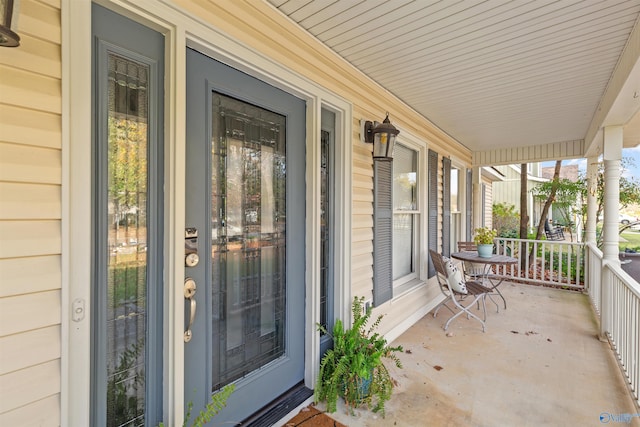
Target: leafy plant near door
(354,368)
(218,401)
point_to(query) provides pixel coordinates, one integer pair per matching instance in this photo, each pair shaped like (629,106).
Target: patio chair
(553,233)
(467,246)
(458,291)
(472,271)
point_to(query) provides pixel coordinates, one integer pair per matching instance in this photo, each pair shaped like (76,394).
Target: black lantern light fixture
(8,38)
(382,136)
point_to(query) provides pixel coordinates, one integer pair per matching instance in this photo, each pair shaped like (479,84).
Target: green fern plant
(217,403)
(353,369)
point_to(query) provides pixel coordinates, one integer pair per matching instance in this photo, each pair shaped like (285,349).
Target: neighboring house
(490,175)
(508,190)
(569,172)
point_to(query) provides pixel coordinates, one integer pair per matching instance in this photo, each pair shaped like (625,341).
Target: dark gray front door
(245,200)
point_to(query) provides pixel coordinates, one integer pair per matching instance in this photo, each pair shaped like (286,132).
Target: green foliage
(560,261)
(506,220)
(127,282)
(354,360)
(213,408)
(127,159)
(630,240)
(123,403)
(484,236)
(629,189)
(566,198)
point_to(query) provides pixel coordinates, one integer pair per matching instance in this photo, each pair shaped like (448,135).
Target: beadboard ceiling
(491,73)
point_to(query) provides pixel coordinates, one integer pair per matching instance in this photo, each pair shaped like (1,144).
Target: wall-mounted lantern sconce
(8,38)
(381,135)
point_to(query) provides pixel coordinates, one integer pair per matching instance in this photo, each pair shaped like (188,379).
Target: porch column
(592,200)
(612,159)
(612,156)
(477,198)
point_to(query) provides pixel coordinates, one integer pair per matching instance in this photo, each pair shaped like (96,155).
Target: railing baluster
(622,317)
(547,265)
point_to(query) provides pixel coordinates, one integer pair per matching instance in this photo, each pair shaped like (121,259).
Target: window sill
(406,287)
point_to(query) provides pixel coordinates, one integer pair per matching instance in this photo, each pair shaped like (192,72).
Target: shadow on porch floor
(539,363)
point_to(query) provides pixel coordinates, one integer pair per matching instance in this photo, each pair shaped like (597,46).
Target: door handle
(189,294)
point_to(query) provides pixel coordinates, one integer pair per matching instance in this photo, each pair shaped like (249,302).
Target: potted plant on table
(483,238)
(354,368)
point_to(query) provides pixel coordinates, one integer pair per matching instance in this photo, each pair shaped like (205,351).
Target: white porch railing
(593,279)
(620,318)
(555,263)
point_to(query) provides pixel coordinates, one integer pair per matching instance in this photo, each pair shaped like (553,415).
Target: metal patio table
(487,276)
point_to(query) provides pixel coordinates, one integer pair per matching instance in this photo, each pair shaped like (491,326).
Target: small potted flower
(483,238)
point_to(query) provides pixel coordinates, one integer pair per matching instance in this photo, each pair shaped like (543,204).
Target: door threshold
(279,408)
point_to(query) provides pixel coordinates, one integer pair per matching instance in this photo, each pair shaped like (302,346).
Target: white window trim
(419,276)
(181,30)
(457,164)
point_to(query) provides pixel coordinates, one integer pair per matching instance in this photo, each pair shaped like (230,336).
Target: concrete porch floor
(539,363)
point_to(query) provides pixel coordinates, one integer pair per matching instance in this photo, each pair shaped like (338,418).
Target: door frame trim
(181,29)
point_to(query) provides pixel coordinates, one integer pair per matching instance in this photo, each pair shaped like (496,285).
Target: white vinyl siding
(30,219)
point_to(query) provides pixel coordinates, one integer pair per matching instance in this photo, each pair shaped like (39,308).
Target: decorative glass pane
(127,240)
(324,227)
(248,216)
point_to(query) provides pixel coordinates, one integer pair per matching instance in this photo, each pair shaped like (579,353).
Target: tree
(629,188)
(127,165)
(550,193)
(566,195)
(570,198)
(524,216)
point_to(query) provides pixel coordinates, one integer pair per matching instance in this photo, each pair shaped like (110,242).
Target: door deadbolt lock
(191,260)
(191,257)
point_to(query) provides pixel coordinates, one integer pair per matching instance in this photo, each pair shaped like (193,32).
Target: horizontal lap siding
(30,214)
(42,413)
(488,205)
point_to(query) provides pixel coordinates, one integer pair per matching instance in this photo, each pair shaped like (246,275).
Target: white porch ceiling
(493,74)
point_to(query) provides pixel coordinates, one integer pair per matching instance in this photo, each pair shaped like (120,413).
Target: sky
(633,171)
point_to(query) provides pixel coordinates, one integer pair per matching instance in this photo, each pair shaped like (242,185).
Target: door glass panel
(324,227)
(248,199)
(126,240)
